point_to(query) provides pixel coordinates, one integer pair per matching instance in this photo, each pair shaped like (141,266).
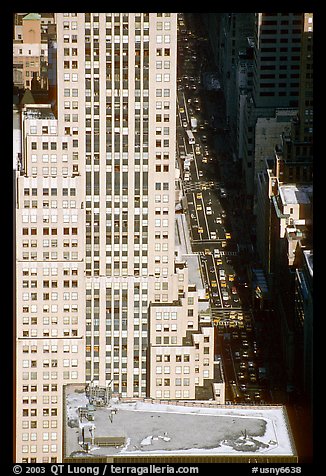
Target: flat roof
(293,194)
(150,428)
(309,257)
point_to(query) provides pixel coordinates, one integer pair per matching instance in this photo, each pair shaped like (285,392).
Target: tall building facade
(116,76)
(100,236)
(50,306)
(276,78)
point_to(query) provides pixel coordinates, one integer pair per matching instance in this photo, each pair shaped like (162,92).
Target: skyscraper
(276,77)
(117,95)
(105,228)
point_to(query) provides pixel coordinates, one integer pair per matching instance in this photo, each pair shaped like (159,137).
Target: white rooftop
(175,429)
(295,194)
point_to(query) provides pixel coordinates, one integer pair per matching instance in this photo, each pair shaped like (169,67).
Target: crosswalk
(202,185)
(236,314)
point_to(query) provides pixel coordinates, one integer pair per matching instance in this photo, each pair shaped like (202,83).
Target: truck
(193,123)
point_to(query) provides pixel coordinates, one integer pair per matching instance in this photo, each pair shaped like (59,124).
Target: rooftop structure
(150,428)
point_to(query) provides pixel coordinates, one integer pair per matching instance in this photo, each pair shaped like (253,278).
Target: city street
(218,227)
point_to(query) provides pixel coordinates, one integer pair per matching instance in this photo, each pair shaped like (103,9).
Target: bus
(191,138)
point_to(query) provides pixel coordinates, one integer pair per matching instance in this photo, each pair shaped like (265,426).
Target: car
(204,160)
(242,366)
(218,220)
(235,335)
(234,290)
(200,229)
(200,173)
(245,354)
(219,261)
(212,269)
(241,376)
(209,210)
(247,397)
(236,355)
(198,206)
(185,124)
(243,387)
(245,344)
(225,295)
(223,284)
(199,195)
(232,324)
(253,377)
(213,235)
(228,236)
(181,109)
(214,284)
(216,253)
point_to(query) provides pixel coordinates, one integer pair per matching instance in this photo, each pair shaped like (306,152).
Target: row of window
(65,375)
(50,271)
(33,256)
(45,436)
(26,364)
(46,348)
(52,172)
(49,204)
(50,191)
(177,394)
(46,231)
(45,449)
(53,145)
(66,296)
(46,284)
(46,334)
(33,308)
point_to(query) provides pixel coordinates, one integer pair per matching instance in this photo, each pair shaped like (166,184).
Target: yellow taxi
(199,195)
(200,229)
(214,284)
(228,236)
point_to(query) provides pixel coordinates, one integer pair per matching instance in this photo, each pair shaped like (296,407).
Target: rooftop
(32,16)
(295,194)
(309,257)
(151,428)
